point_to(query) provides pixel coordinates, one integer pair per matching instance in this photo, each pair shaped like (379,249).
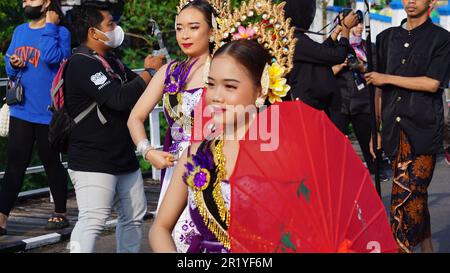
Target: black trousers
(22,136)
(361,127)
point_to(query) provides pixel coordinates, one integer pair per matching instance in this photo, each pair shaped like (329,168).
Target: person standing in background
(36,50)
(355,108)
(413,70)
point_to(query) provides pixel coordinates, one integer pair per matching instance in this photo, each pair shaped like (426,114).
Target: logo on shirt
(29,54)
(99,78)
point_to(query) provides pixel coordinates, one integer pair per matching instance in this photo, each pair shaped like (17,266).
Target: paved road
(105,244)
(439,200)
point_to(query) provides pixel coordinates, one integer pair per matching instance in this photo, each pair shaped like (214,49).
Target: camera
(352,62)
(359,14)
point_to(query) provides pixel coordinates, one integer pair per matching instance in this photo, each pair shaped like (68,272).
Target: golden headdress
(265,22)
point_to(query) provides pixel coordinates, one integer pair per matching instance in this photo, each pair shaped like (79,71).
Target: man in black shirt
(413,70)
(102,163)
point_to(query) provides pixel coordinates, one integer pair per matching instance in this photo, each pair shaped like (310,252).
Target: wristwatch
(151,71)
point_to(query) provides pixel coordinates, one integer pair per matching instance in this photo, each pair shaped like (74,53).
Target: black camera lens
(352,61)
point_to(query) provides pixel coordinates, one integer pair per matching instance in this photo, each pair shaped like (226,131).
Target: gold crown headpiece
(221,7)
(265,22)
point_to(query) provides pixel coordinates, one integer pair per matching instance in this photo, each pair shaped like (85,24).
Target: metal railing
(154,133)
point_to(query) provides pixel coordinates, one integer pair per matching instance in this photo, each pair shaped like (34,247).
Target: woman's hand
(52,17)
(336,32)
(362,67)
(17,62)
(159,159)
(338,68)
(350,20)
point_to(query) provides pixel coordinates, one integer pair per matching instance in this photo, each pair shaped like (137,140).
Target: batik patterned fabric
(410,217)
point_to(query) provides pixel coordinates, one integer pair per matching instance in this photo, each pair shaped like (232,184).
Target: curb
(52,238)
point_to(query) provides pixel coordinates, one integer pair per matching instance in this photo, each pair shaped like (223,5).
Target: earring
(206,69)
(211,39)
(214,22)
(260,102)
(265,80)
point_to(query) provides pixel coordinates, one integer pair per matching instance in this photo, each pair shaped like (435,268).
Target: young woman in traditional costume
(247,71)
(180,85)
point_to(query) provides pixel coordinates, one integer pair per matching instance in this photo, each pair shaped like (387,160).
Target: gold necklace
(220,161)
(219,232)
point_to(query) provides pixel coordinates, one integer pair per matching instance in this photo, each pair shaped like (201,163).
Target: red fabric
(305,195)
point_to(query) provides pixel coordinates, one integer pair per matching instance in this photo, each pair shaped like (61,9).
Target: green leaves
(11,16)
(303,190)
(135,22)
(286,242)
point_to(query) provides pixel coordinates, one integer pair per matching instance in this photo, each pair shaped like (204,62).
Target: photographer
(311,78)
(354,107)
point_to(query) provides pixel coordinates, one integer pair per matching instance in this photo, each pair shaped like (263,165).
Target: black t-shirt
(95,147)
(423,51)
(311,78)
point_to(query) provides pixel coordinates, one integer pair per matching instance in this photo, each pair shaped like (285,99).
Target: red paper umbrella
(311,194)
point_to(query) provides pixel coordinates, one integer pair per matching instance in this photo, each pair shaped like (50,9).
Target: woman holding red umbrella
(226,179)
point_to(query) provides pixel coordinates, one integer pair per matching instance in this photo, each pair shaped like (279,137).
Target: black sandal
(2,231)
(57,222)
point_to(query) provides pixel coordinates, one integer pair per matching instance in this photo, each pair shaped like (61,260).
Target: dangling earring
(265,84)
(265,80)
(211,39)
(213,21)
(260,102)
(206,69)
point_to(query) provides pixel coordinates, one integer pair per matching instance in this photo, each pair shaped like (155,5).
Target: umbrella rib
(314,176)
(330,219)
(341,191)
(367,225)
(356,198)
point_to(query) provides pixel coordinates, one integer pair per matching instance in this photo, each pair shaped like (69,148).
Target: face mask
(115,37)
(33,13)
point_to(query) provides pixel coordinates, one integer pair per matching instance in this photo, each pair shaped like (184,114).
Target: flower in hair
(244,33)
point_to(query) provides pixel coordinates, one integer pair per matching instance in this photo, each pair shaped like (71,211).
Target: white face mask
(115,37)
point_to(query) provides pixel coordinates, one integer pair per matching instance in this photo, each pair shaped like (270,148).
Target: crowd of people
(110,104)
